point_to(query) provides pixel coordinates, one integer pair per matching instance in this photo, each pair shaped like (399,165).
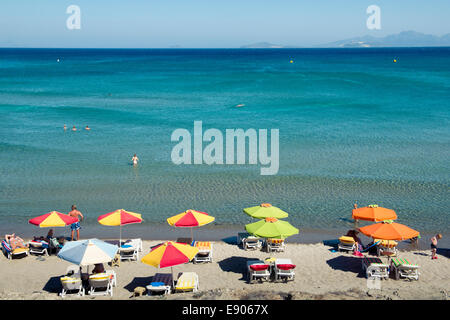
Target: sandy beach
(320,274)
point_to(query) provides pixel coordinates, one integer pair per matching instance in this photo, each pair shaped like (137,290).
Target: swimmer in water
(65,127)
(87,128)
(135,159)
(240,105)
(74,129)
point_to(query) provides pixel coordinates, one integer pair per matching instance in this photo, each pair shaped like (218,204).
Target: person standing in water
(74,129)
(76,226)
(65,127)
(87,128)
(135,160)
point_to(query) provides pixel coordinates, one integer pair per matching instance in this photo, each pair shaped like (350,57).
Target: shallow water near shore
(353,127)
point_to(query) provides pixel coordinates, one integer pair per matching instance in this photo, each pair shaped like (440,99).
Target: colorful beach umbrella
(373,213)
(88,252)
(271,228)
(169,254)
(190,218)
(53,219)
(265,210)
(388,230)
(119,217)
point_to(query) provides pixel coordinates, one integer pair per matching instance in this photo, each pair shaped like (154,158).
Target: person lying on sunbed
(15,241)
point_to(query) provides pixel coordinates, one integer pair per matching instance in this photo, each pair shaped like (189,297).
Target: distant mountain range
(402,39)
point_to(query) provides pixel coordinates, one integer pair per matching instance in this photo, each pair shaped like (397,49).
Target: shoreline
(217,233)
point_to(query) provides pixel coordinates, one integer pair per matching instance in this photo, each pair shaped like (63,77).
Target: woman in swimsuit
(15,242)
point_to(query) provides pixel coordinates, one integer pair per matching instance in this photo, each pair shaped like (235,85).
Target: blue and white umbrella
(88,252)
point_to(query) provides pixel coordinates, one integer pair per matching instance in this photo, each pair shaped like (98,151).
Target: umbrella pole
(192,234)
(120,236)
(173,281)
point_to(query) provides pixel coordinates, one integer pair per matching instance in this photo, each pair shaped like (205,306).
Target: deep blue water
(354,126)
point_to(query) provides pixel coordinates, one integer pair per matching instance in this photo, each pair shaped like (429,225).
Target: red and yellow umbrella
(53,219)
(373,213)
(118,218)
(389,231)
(169,254)
(190,218)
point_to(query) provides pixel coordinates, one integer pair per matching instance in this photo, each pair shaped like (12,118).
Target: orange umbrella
(373,213)
(389,231)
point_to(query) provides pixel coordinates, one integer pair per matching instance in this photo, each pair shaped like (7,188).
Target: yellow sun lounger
(71,283)
(346,243)
(187,281)
(386,247)
(205,251)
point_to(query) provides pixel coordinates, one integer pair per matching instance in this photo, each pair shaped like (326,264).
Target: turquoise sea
(354,126)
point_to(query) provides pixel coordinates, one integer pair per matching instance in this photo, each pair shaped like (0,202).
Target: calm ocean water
(353,126)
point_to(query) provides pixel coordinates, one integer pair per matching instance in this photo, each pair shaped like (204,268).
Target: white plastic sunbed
(101,281)
(284,269)
(403,268)
(161,282)
(346,243)
(258,269)
(277,245)
(72,282)
(375,268)
(205,251)
(187,281)
(38,247)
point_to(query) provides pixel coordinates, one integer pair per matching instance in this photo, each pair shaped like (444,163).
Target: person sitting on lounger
(99,268)
(354,235)
(15,241)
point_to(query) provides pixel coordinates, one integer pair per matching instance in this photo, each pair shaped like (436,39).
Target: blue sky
(210,23)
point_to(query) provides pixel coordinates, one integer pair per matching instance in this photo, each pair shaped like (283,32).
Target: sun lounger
(188,241)
(258,269)
(205,252)
(404,268)
(129,252)
(252,242)
(137,243)
(277,245)
(161,282)
(386,247)
(101,281)
(18,252)
(346,244)
(375,268)
(113,277)
(72,281)
(284,269)
(38,247)
(187,281)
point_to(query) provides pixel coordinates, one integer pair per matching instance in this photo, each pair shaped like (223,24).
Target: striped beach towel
(203,245)
(402,261)
(186,281)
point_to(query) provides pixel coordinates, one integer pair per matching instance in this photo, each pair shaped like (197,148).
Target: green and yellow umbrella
(265,210)
(271,228)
